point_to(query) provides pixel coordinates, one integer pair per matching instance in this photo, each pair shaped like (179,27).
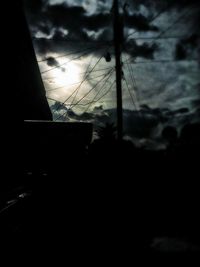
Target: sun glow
(66,76)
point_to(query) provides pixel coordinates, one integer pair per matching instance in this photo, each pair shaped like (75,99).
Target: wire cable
(83,80)
(153,19)
(64,86)
(66,55)
(85,77)
(93,100)
(75,58)
(133,101)
(81,97)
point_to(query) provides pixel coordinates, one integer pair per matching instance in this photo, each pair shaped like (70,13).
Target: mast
(118,33)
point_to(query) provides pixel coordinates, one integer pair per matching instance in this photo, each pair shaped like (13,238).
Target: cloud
(180,53)
(196,103)
(144,50)
(146,124)
(35,6)
(52,62)
(160,85)
(160,4)
(64,21)
(58,19)
(188,48)
(139,22)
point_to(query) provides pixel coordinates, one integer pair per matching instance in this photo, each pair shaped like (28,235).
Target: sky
(160,62)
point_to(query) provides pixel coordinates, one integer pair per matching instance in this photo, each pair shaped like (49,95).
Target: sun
(66,75)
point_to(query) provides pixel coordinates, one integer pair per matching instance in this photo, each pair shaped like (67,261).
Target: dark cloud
(75,17)
(43,46)
(64,22)
(180,53)
(196,102)
(158,4)
(148,123)
(65,16)
(181,111)
(52,62)
(192,41)
(145,50)
(139,22)
(97,21)
(59,35)
(35,6)
(53,19)
(188,48)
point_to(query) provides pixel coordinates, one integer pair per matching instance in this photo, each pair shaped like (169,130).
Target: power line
(85,104)
(131,74)
(54,77)
(68,54)
(66,104)
(130,93)
(152,61)
(108,68)
(71,41)
(106,92)
(168,28)
(83,80)
(160,37)
(86,75)
(92,89)
(50,98)
(175,22)
(60,65)
(133,82)
(101,97)
(82,97)
(164,31)
(60,87)
(153,19)
(93,100)
(89,103)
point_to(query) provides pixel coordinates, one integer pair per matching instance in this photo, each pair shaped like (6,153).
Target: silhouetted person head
(170,134)
(107,133)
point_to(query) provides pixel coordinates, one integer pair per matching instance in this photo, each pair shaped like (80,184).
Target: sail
(31,91)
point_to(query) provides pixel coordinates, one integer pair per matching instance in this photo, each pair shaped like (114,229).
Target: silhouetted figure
(107,133)
(170,134)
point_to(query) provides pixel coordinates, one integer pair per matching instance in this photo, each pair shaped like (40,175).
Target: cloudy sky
(161,52)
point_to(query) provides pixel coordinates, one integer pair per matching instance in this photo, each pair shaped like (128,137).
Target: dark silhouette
(190,134)
(107,133)
(31,92)
(170,135)
(83,198)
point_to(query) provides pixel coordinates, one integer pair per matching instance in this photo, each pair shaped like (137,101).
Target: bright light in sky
(67,75)
(160,59)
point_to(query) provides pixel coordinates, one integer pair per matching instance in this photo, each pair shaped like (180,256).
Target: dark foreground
(108,200)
